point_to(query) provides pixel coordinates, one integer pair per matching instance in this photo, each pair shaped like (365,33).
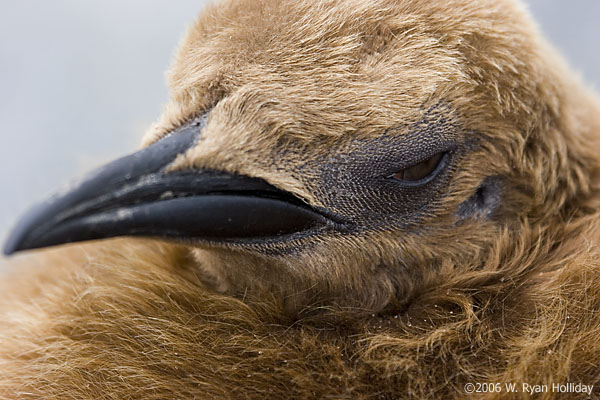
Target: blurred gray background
(80,81)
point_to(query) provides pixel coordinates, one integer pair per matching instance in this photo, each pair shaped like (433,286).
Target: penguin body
(342,199)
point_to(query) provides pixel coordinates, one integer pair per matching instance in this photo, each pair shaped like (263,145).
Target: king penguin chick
(343,199)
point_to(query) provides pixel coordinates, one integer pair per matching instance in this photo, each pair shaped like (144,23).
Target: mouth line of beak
(135,196)
(200,206)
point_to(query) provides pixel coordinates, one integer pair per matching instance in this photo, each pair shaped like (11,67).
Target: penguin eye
(421,172)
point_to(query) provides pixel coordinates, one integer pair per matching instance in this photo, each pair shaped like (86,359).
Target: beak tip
(18,240)
(14,244)
(10,247)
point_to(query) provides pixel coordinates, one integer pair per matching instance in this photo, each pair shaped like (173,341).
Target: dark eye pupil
(419,171)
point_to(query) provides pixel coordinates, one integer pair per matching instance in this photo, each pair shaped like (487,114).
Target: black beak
(134,196)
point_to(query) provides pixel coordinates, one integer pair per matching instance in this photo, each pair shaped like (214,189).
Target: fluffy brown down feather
(514,298)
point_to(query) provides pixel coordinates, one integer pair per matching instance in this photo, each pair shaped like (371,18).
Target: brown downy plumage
(445,162)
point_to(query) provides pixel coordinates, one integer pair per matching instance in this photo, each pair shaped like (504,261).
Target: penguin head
(343,152)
